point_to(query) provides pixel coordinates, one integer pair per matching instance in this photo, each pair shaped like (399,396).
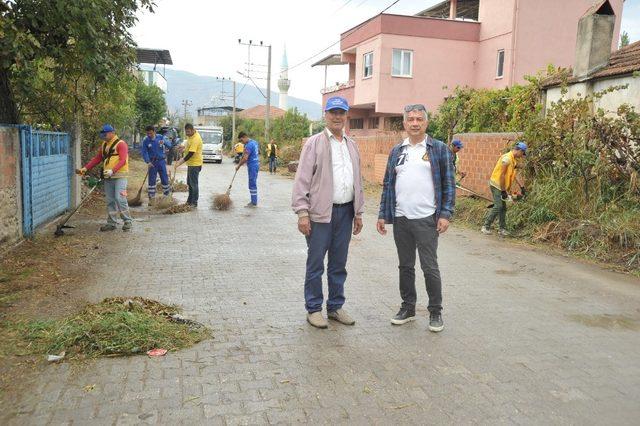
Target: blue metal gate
(46,176)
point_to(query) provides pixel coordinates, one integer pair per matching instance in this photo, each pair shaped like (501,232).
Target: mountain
(200,90)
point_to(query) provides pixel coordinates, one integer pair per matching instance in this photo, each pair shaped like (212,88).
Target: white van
(211,142)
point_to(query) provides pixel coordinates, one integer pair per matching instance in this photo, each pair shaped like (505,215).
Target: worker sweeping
(153,153)
(503,176)
(250,157)
(114,158)
(193,158)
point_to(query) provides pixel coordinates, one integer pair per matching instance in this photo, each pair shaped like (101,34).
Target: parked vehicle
(211,142)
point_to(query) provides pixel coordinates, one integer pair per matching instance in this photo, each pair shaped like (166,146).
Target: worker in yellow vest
(239,151)
(114,158)
(503,176)
(272,155)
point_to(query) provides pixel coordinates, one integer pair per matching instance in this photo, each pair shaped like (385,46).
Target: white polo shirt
(343,191)
(415,194)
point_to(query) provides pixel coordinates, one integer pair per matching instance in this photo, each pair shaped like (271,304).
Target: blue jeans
(332,237)
(253,181)
(115,190)
(273,162)
(159,168)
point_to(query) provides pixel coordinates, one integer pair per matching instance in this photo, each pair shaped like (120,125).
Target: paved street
(529,338)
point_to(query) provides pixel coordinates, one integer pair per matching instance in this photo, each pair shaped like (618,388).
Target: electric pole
(233,113)
(186,103)
(267,96)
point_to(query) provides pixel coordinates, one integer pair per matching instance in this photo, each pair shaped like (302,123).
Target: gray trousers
(115,190)
(420,234)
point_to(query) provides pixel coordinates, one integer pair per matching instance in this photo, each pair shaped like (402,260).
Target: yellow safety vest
(511,171)
(110,157)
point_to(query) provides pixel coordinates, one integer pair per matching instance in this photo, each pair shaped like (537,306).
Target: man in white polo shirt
(418,198)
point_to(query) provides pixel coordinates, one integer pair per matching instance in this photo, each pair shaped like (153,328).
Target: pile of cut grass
(113,327)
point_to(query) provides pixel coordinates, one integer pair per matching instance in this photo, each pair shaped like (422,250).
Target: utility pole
(267,132)
(233,113)
(267,96)
(233,116)
(186,103)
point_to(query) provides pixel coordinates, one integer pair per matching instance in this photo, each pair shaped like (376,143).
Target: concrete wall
(10,192)
(610,101)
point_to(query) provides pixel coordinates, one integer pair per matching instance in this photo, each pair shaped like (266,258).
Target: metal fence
(46,176)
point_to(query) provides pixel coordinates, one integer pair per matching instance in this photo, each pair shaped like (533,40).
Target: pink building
(396,60)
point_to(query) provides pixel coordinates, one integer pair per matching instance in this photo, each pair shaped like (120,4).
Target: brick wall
(479,157)
(374,151)
(10,197)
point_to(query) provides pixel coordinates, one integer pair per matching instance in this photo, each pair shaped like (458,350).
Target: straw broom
(168,201)
(137,200)
(223,201)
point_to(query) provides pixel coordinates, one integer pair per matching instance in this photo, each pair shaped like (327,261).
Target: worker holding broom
(193,158)
(503,176)
(114,158)
(153,153)
(250,157)
(456,147)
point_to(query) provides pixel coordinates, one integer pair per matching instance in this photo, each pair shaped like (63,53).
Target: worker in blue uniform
(153,153)
(250,157)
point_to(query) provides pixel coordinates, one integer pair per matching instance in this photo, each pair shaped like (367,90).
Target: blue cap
(337,102)
(106,129)
(458,144)
(522,147)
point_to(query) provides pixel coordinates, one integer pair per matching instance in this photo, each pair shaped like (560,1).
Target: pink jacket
(313,187)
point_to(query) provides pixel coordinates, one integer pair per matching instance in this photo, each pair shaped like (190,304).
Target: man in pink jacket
(329,201)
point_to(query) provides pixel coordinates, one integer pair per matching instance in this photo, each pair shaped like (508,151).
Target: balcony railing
(340,86)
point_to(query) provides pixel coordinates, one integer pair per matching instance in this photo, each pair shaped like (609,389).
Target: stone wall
(10,193)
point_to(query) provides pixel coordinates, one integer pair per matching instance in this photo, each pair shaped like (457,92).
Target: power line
(341,38)
(340,8)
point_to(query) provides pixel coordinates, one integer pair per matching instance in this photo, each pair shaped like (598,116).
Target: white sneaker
(503,232)
(485,230)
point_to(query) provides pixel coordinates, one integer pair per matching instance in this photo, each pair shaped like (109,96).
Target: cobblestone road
(529,338)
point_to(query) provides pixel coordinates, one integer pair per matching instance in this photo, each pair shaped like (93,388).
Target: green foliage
(150,105)
(60,58)
(485,110)
(624,39)
(290,127)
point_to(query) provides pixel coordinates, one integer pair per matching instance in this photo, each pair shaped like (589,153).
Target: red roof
(258,112)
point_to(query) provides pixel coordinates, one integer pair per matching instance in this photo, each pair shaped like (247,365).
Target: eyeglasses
(415,107)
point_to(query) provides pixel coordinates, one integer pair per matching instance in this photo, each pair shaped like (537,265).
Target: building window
(374,122)
(367,65)
(500,66)
(356,123)
(402,63)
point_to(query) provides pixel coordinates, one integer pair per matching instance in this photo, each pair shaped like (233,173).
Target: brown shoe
(341,316)
(317,320)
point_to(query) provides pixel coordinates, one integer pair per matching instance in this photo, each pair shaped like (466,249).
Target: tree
(624,39)
(81,46)
(150,105)
(292,126)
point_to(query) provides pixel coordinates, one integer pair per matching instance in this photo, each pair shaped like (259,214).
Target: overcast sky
(202,35)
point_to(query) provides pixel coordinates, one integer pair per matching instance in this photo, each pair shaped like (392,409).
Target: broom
(137,200)
(223,201)
(168,201)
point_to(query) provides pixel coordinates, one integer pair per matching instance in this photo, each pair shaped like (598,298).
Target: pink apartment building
(396,60)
